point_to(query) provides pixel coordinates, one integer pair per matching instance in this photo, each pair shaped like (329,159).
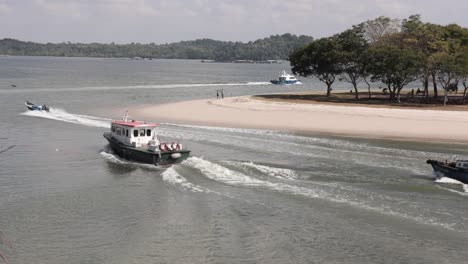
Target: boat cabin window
(142,132)
(135,133)
(148,132)
(113,129)
(119,132)
(126,132)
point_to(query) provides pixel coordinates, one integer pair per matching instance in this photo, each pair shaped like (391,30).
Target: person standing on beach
(217,94)
(222,94)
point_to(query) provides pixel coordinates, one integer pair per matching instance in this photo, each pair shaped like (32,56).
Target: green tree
(449,63)
(427,39)
(451,69)
(352,50)
(377,29)
(321,58)
(394,66)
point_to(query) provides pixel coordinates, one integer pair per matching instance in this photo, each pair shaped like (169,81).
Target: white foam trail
(280,173)
(113,158)
(258,83)
(62,115)
(274,142)
(462,193)
(224,175)
(172,177)
(448,180)
(227,129)
(343,145)
(453,181)
(117,160)
(154,86)
(310,142)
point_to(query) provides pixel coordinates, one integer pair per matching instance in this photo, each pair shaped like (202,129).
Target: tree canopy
(320,58)
(390,51)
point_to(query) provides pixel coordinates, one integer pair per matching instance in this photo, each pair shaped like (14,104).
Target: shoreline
(326,119)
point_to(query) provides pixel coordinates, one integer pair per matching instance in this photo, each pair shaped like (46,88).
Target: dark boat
(457,170)
(138,141)
(35,107)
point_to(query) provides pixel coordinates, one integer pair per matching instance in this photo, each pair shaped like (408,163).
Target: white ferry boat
(285,78)
(138,141)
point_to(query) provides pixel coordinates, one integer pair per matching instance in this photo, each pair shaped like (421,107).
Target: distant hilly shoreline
(275,47)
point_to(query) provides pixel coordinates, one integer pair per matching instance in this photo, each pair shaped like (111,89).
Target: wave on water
(463,192)
(62,115)
(333,193)
(113,158)
(447,180)
(109,156)
(280,173)
(171,176)
(337,144)
(268,137)
(227,129)
(154,86)
(271,141)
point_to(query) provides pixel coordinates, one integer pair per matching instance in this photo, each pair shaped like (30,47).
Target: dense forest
(277,47)
(393,52)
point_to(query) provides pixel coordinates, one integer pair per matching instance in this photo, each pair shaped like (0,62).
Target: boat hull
(447,170)
(283,82)
(142,155)
(33,107)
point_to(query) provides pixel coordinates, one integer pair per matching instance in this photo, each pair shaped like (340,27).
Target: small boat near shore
(457,170)
(35,107)
(138,141)
(285,78)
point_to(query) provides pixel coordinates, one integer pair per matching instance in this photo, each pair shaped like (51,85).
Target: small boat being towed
(34,107)
(285,78)
(138,141)
(457,170)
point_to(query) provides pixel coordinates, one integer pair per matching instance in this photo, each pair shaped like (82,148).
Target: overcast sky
(165,21)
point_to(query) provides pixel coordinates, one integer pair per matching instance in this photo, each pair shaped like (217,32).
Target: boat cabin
(133,133)
(462,164)
(285,78)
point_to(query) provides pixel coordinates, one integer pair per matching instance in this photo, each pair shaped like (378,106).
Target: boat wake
(279,173)
(130,87)
(112,158)
(207,133)
(201,175)
(172,177)
(463,192)
(286,181)
(64,116)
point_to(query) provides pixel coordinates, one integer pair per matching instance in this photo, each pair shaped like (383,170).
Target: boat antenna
(125,117)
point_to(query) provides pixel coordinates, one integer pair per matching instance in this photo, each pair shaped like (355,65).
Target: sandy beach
(357,121)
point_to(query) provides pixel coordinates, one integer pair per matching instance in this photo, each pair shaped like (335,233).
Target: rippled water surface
(245,195)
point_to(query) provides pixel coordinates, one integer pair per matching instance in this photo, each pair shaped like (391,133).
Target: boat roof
(133,123)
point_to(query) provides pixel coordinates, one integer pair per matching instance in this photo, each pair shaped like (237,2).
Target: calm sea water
(245,196)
